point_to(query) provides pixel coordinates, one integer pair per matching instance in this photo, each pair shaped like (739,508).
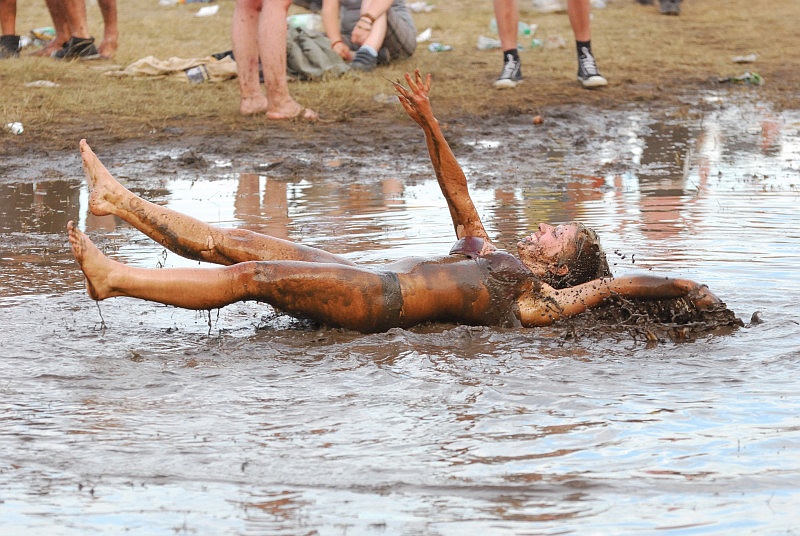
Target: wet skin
(308,282)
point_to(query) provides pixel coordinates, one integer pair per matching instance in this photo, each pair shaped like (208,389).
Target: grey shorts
(401,35)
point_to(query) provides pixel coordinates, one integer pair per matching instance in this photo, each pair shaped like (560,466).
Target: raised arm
(451,177)
(548,305)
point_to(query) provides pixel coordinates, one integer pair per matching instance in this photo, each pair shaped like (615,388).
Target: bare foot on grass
(95,266)
(102,185)
(108,47)
(293,112)
(47,50)
(253,105)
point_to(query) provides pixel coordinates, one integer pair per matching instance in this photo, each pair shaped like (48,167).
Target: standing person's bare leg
(184,235)
(76,17)
(579,12)
(9,40)
(108,47)
(244,39)
(61,26)
(506,14)
(272,32)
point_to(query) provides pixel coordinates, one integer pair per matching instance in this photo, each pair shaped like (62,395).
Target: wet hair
(587,262)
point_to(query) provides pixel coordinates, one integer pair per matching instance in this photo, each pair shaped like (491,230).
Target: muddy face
(548,250)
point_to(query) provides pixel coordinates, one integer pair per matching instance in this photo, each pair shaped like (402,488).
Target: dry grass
(646,57)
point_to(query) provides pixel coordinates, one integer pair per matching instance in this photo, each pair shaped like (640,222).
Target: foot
(108,46)
(295,112)
(77,48)
(670,7)
(364,61)
(9,46)
(95,266)
(588,75)
(103,187)
(49,49)
(511,75)
(257,104)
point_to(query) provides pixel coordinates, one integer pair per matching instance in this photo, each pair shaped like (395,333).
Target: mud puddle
(142,418)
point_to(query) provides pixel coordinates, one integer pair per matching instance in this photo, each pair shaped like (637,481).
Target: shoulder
(474,246)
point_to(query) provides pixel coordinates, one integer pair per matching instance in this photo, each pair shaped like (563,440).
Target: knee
(248,5)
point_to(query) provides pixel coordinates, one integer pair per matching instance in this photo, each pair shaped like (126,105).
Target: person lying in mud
(560,271)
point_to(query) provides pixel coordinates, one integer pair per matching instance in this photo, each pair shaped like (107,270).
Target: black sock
(513,52)
(580,45)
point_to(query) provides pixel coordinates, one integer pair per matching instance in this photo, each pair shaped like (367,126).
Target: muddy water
(138,418)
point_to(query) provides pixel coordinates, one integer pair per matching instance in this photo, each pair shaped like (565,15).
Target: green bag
(309,56)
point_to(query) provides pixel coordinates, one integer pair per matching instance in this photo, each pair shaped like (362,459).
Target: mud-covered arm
(451,177)
(548,305)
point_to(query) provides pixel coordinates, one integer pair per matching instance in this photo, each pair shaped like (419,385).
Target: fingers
(417,85)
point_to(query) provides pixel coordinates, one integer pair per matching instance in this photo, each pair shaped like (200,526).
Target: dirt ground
(652,61)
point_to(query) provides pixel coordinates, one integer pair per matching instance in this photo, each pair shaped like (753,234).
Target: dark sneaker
(670,7)
(588,75)
(9,46)
(384,56)
(364,61)
(77,48)
(511,74)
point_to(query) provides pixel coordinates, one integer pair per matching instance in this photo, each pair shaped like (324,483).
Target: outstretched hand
(415,98)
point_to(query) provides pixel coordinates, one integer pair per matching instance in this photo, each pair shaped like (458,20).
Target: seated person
(561,271)
(379,31)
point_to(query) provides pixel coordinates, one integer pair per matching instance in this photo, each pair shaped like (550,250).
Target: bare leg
(190,288)
(108,47)
(244,37)
(507,15)
(76,17)
(8,17)
(272,49)
(183,234)
(61,26)
(579,12)
(343,296)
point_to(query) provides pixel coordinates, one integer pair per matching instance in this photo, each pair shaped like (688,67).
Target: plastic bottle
(438,47)
(197,75)
(310,22)
(488,43)
(524,30)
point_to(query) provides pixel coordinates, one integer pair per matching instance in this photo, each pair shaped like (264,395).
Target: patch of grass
(647,57)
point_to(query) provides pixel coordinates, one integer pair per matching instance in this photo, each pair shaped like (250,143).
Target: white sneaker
(588,75)
(511,75)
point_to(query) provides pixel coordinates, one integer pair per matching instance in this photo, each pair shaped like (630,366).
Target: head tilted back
(586,262)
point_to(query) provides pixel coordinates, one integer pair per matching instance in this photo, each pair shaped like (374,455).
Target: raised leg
(342,296)
(185,235)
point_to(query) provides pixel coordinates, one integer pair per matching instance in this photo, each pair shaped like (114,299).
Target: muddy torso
(503,275)
(464,287)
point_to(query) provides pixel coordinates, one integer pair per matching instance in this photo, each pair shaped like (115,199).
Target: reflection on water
(138,418)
